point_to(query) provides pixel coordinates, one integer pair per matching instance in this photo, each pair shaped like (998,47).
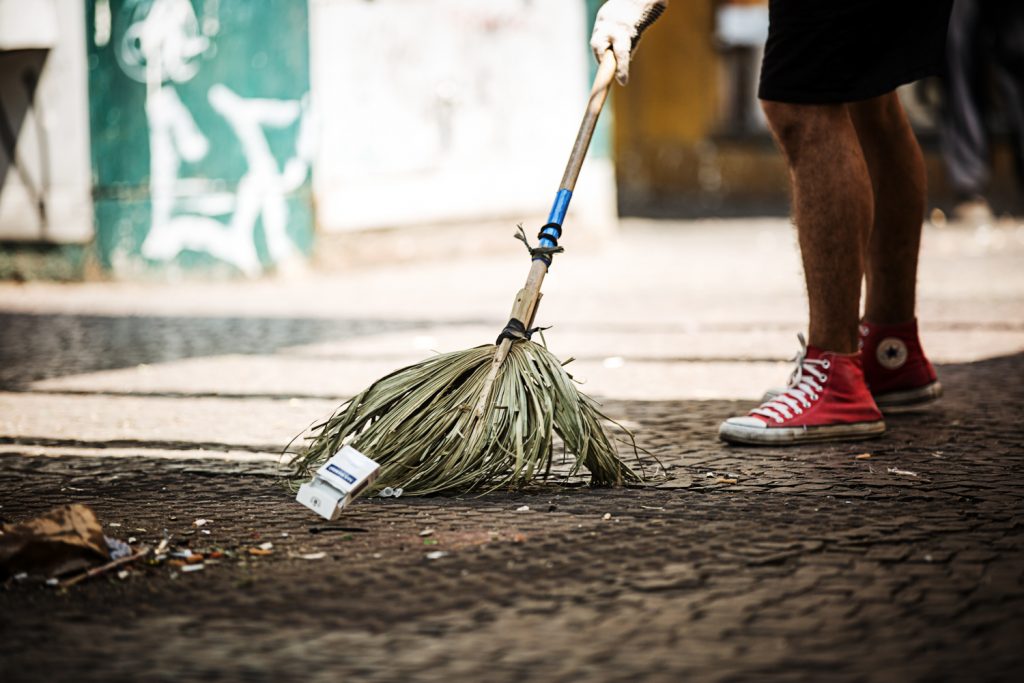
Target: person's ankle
(890,316)
(890,322)
(838,346)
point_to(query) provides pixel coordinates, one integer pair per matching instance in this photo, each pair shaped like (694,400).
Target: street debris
(388,492)
(523,508)
(607,516)
(337,483)
(436,555)
(725,480)
(902,473)
(64,540)
(96,571)
(66,546)
(116,548)
(427,532)
(862,456)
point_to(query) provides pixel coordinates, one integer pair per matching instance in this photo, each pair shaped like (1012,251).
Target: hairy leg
(898,177)
(832,208)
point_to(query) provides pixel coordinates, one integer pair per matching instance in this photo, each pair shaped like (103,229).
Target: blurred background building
(159,138)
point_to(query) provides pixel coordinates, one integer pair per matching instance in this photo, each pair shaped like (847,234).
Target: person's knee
(878,113)
(796,126)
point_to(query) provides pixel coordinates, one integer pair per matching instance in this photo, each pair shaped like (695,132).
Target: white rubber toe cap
(747,421)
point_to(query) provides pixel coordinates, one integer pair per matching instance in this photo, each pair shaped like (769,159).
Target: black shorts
(831,51)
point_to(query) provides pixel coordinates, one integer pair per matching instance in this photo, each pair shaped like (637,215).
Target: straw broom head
(486,417)
(431,431)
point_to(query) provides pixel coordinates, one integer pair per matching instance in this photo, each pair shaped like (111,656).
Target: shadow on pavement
(35,347)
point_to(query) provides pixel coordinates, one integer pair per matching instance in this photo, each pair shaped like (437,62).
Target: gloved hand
(618,27)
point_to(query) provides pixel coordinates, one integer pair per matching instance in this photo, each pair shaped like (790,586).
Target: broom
(486,417)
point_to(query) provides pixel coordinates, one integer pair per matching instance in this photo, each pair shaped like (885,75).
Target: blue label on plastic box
(337,471)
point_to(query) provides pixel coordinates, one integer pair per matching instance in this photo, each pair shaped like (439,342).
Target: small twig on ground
(96,571)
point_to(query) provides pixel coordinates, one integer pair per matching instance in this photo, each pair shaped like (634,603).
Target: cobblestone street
(895,559)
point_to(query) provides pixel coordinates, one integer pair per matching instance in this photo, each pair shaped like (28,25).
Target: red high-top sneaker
(896,369)
(827,400)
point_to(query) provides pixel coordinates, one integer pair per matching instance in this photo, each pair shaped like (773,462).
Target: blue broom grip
(556,217)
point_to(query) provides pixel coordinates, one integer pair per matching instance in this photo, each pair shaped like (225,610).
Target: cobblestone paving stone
(803,564)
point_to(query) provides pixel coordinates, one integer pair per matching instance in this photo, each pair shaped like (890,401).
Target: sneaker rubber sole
(909,400)
(781,436)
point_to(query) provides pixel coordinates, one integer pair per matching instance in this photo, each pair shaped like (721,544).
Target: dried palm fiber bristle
(422,424)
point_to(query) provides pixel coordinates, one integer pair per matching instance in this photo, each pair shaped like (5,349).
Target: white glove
(618,27)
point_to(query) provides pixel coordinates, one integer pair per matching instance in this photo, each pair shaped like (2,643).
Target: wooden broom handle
(525,306)
(598,94)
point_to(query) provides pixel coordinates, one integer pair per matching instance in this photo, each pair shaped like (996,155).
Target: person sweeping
(494,416)
(858,191)
(490,416)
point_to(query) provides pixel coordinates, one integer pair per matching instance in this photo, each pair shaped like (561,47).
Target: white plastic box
(338,482)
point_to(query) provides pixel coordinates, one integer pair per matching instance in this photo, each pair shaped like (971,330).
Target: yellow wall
(672,90)
(665,120)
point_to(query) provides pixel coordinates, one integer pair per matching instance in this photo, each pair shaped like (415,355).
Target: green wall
(200,155)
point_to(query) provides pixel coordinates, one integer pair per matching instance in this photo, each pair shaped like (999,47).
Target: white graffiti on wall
(160,48)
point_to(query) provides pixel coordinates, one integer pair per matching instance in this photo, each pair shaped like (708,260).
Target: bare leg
(833,207)
(898,178)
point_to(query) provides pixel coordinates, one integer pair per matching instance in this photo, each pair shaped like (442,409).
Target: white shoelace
(805,385)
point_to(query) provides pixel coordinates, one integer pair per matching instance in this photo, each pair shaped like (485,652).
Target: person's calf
(898,179)
(832,208)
